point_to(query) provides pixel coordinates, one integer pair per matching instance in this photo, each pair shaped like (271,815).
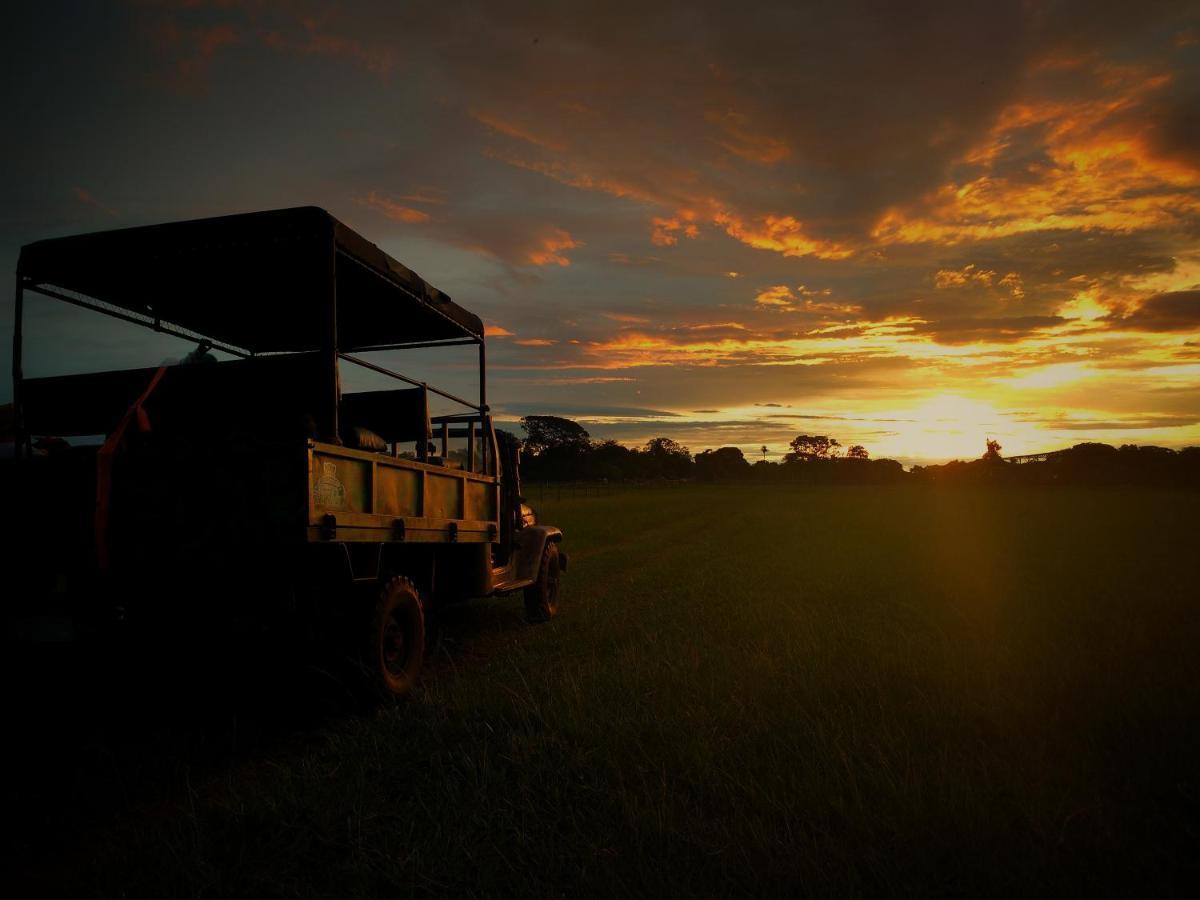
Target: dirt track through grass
(753,691)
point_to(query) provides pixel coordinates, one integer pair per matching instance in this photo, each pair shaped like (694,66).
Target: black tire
(396,647)
(541,597)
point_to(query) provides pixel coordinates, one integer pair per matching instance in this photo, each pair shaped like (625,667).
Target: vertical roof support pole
(19,438)
(330,425)
(483,409)
(427,435)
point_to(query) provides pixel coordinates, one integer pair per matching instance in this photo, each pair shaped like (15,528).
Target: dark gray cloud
(1171,311)
(975,329)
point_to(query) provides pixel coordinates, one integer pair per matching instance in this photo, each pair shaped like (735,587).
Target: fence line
(556,490)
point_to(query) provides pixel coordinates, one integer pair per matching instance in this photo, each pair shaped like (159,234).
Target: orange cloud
(665,232)
(1012,281)
(568,175)
(970,274)
(779,295)
(492,330)
(739,139)
(320,39)
(397,212)
(783,234)
(193,49)
(802,299)
(550,249)
(1101,172)
(513,130)
(624,259)
(587,379)
(947,278)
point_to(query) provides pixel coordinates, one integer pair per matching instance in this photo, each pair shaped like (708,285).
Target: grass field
(748,691)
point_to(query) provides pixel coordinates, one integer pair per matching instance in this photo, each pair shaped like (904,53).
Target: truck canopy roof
(262,282)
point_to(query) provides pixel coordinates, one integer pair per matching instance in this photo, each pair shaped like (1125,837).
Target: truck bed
(357,495)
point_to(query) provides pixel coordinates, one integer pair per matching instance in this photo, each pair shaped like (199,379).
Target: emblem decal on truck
(329,491)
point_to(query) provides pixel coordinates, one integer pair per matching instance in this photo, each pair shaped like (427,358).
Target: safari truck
(251,486)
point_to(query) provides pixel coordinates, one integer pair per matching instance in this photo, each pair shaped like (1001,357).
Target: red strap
(104,463)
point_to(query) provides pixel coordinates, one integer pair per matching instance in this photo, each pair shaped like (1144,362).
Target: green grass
(750,691)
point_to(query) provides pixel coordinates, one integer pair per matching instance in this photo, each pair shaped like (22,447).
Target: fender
(531,543)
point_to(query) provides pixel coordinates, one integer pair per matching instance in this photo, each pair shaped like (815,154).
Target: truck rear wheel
(396,648)
(541,597)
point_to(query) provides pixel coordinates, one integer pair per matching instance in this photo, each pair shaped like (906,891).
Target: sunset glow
(892,235)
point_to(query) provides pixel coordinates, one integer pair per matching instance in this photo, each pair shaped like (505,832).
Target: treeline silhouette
(559,449)
(1083,464)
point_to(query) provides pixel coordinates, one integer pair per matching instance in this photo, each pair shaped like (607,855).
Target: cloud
(585,379)
(786,235)
(909,209)
(666,232)
(1102,160)
(515,130)
(318,34)
(625,259)
(740,138)
(550,248)
(584,411)
(517,241)
(87,198)
(392,209)
(779,295)
(1036,129)
(1002,329)
(190,50)
(972,276)
(1172,311)
(802,299)
(1136,423)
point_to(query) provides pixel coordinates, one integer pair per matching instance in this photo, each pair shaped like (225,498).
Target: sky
(911,226)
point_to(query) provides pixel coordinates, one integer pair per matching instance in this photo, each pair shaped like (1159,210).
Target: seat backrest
(395,415)
(271,395)
(268,396)
(92,403)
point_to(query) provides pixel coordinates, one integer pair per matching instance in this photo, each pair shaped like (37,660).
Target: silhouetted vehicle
(255,488)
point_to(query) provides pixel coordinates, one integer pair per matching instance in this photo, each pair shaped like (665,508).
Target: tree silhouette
(663,446)
(552,432)
(723,463)
(992,454)
(665,458)
(812,446)
(763,451)
(858,451)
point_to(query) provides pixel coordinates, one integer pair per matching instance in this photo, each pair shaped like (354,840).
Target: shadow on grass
(118,728)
